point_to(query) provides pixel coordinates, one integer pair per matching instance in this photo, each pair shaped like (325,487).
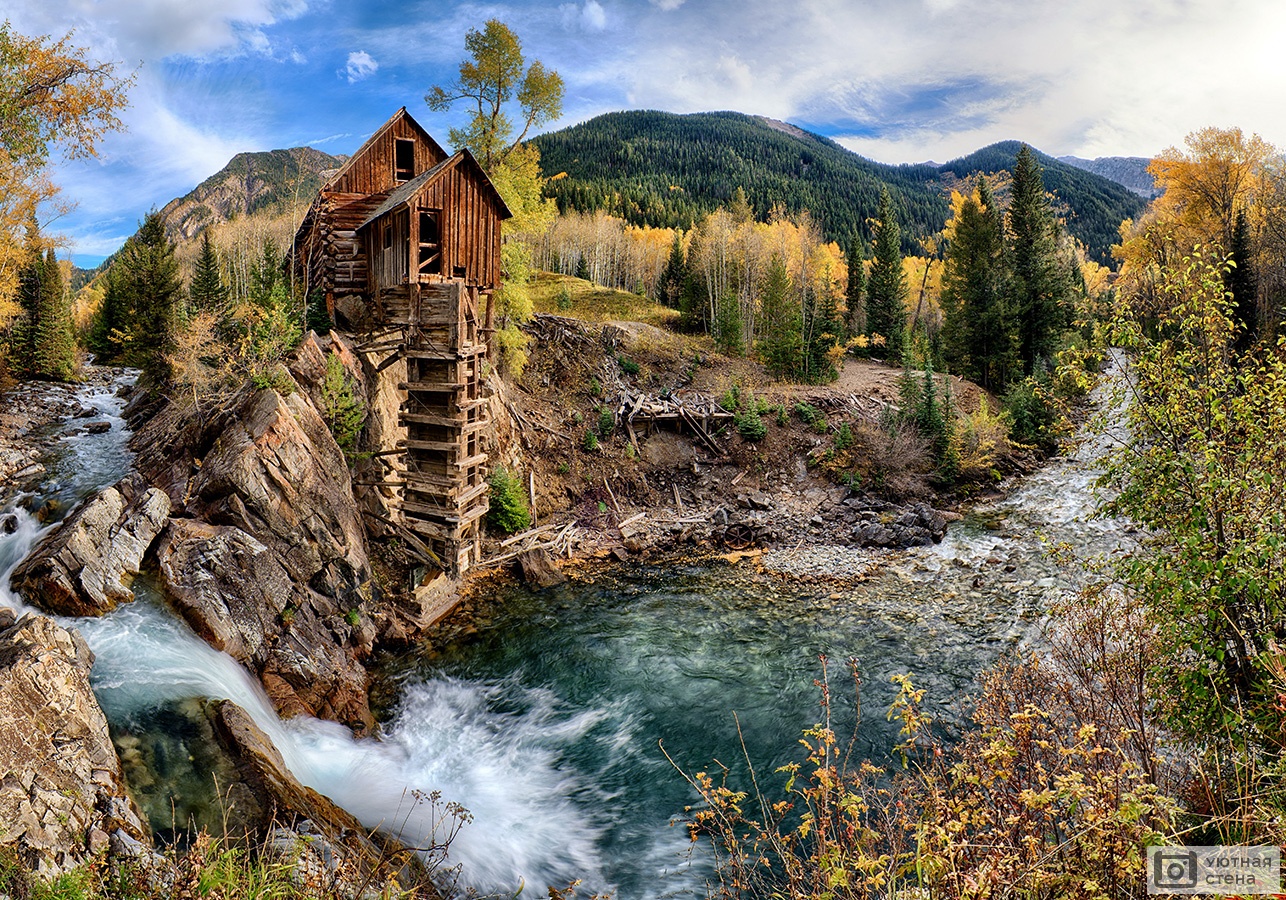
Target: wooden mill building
(404,243)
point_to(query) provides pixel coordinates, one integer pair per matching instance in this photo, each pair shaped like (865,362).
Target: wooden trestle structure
(406,239)
(445,417)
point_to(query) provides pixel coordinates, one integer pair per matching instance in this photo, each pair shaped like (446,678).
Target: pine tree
(823,331)
(105,338)
(886,287)
(1040,280)
(727,331)
(855,287)
(147,280)
(53,346)
(675,274)
(739,208)
(22,332)
(780,339)
(265,273)
(977,331)
(207,290)
(1242,283)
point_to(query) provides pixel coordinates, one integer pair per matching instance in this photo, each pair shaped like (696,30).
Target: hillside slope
(661,169)
(249,183)
(1130,171)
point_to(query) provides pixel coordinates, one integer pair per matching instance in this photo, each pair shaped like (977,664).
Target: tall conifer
(978,331)
(1040,279)
(207,291)
(53,345)
(780,342)
(1241,282)
(148,286)
(886,287)
(855,287)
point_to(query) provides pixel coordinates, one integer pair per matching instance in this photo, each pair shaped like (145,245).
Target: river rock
(238,595)
(332,845)
(84,568)
(62,795)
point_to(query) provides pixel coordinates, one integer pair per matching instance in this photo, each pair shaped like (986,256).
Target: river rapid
(552,721)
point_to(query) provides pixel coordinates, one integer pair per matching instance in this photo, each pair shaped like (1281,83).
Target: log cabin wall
(469,225)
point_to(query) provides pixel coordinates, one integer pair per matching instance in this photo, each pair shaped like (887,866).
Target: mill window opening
(403,160)
(430,259)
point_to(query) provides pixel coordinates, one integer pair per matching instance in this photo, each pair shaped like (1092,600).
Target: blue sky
(896,80)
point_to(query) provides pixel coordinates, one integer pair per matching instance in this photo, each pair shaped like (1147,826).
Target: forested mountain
(662,169)
(1092,206)
(1130,171)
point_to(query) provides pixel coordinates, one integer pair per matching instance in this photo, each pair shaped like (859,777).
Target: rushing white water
(447,738)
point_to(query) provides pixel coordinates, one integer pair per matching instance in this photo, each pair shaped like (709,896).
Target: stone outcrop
(330,846)
(62,796)
(86,566)
(237,594)
(265,554)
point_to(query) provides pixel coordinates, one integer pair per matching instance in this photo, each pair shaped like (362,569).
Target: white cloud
(593,16)
(589,17)
(667,5)
(156,29)
(1098,77)
(360,65)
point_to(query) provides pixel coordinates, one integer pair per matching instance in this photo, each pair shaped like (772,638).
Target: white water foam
(447,738)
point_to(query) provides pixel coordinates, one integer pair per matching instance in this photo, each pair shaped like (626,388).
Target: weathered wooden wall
(371,169)
(470,225)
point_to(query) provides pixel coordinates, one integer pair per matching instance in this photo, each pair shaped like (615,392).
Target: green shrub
(781,415)
(595,388)
(750,425)
(590,441)
(1033,417)
(628,366)
(731,398)
(274,378)
(606,422)
(564,468)
(509,512)
(343,410)
(564,299)
(811,416)
(844,439)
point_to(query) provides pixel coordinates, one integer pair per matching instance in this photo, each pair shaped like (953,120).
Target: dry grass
(595,304)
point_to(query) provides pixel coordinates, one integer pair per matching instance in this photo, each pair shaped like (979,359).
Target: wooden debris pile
(700,413)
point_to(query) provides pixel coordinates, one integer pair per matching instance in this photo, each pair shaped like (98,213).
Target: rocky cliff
(246,513)
(62,796)
(248,183)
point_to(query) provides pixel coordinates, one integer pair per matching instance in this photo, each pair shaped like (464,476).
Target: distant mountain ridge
(249,183)
(663,169)
(1129,171)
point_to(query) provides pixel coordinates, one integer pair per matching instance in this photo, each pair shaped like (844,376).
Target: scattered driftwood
(621,526)
(526,535)
(531,540)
